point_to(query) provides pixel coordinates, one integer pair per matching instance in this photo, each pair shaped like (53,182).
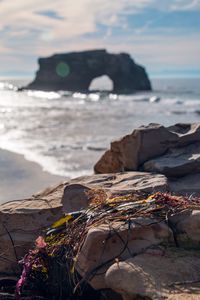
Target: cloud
(76,17)
(53,21)
(186,5)
(27,24)
(32,28)
(4,50)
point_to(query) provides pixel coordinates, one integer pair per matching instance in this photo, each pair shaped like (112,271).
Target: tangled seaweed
(49,269)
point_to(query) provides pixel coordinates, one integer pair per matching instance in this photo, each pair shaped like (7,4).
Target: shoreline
(20,178)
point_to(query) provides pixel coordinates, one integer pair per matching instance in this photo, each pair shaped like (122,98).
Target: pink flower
(40,242)
(26,270)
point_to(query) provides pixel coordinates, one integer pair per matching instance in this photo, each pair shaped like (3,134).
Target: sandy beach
(20,178)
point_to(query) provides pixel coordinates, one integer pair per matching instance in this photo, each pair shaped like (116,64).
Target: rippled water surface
(66,133)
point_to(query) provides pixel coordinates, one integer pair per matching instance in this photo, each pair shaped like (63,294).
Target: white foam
(7,86)
(94,97)
(48,163)
(79,95)
(44,95)
(113,96)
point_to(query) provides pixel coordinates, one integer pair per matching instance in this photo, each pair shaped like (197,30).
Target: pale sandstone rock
(187,224)
(75,193)
(75,197)
(176,162)
(145,143)
(118,240)
(156,277)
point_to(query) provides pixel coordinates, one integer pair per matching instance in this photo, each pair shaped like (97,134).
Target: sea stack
(75,71)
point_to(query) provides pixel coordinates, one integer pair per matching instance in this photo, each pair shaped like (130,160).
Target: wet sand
(20,178)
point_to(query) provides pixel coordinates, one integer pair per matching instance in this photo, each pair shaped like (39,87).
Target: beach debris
(51,267)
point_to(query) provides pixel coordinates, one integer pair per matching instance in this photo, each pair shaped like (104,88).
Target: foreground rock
(157,276)
(146,142)
(173,151)
(152,255)
(133,245)
(75,71)
(22,221)
(105,243)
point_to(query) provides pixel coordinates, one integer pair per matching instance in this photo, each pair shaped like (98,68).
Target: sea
(66,133)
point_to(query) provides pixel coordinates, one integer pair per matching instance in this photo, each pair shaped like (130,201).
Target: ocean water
(66,133)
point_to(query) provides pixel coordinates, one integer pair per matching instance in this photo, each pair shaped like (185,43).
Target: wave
(67,132)
(43,95)
(8,86)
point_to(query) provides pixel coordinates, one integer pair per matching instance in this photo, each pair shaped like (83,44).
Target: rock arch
(101,83)
(74,72)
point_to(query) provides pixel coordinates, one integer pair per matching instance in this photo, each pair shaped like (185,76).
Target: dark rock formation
(74,72)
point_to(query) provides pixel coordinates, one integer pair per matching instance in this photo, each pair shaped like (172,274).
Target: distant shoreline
(20,178)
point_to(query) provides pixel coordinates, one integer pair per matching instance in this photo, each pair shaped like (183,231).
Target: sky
(162,35)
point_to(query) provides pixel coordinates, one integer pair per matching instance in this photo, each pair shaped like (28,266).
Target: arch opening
(102,83)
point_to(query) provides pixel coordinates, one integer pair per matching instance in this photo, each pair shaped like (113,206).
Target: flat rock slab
(176,162)
(156,277)
(145,143)
(76,191)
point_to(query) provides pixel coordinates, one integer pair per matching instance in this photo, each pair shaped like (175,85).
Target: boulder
(169,276)
(176,162)
(120,240)
(76,194)
(145,143)
(75,71)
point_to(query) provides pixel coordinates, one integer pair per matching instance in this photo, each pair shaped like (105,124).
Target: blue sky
(164,36)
